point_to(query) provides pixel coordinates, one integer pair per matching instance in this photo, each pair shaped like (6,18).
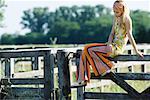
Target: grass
(137,85)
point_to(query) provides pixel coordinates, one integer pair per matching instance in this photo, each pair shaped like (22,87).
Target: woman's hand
(140,54)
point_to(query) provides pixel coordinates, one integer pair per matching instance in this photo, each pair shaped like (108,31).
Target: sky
(14,10)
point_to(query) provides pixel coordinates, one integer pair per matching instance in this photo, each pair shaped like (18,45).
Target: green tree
(36,19)
(76,24)
(80,24)
(141,26)
(7,39)
(35,38)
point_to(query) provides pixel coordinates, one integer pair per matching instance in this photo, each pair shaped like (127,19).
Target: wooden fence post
(7,68)
(64,75)
(119,81)
(80,90)
(48,82)
(52,63)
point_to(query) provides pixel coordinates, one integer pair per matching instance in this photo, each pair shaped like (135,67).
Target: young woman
(95,55)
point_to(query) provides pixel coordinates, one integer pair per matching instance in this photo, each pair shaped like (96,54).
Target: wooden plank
(120,82)
(80,93)
(80,90)
(126,76)
(7,68)
(77,86)
(64,75)
(47,76)
(146,91)
(130,58)
(52,63)
(23,81)
(115,96)
(27,92)
(22,53)
(23,93)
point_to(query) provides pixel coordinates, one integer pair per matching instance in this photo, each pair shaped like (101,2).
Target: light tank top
(119,40)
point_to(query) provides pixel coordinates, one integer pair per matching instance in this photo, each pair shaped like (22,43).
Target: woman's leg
(94,55)
(84,69)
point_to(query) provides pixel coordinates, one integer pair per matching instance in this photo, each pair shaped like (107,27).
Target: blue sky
(15,8)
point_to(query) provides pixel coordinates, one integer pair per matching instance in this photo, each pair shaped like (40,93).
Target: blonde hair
(120,0)
(126,11)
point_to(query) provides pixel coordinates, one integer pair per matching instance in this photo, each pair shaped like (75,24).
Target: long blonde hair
(126,11)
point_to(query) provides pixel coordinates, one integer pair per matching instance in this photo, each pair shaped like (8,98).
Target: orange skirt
(94,55)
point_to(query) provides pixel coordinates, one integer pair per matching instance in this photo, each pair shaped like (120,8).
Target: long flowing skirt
(94,55)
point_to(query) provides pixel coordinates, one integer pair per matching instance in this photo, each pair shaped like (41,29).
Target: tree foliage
(141,24)
(36,19)
(79,25)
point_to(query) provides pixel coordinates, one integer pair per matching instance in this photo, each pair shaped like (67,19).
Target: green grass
(137,85)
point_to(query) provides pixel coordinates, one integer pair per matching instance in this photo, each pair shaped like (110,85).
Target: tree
(36,20)
(35,38)
(7,39)
(141,26)
(79,25)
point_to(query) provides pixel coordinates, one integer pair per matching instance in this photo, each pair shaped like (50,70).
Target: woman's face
(118,9)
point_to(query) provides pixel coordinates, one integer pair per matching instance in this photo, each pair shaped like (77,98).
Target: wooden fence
(47,80)
(61,59)
(118,78)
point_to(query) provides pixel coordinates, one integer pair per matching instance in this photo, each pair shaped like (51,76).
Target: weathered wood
(48,88)
(113,96)
(64,75)
(146,91)
(52,62)
(77,86)
(126,76)
(130,58)
(80,90)
(22,53)
(7,68)
(80,93)
(47,76)
(48,81)
(23,81)
(119,81)
(26,91)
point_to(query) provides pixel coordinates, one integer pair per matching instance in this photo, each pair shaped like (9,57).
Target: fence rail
(60,58)
(119,79)
(48,70)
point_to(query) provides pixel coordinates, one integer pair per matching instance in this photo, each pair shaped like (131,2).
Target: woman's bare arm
(128,24)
